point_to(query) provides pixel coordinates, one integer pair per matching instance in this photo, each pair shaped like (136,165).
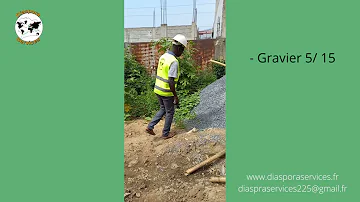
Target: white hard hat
(180,39)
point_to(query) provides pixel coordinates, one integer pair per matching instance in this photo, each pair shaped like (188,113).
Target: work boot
(170,135)
(150,131)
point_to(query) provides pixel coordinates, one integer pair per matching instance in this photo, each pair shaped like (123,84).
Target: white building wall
(219,20)
(147,34)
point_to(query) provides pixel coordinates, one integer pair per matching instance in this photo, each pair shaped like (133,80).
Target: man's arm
(173,72)
(172,86)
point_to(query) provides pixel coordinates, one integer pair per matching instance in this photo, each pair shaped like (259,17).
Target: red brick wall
(147,56)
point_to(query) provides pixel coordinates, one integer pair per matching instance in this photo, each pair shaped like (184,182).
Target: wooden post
(219,63)
(218,179)
(207,161)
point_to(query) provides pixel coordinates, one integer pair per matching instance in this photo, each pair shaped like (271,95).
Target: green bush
(186,105)
(140,100)
(143,105)
(219,70)
(204,78)
(135,75)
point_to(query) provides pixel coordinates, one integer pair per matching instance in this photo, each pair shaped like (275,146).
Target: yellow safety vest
(162,87)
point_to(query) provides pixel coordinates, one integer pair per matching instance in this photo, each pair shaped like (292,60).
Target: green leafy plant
(185,110)
(219,70)
(127,116)
(204,78)
(135,75)
(138,93)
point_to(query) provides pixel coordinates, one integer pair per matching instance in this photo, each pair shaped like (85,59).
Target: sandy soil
(154,168)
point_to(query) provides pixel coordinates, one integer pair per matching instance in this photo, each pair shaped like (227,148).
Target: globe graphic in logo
(28,27)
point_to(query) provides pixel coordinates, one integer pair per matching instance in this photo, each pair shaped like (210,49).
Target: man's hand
(176,100)
(172,88)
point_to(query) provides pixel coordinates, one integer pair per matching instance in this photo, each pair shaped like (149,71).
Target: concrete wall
(147,34)
(220,49)
(143,34)
(223,26)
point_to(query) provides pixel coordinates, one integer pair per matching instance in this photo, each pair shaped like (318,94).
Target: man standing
(168,73)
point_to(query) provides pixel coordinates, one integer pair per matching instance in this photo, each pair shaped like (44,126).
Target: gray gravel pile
(210,112)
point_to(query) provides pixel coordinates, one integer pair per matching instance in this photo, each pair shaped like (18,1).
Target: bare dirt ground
(154,168)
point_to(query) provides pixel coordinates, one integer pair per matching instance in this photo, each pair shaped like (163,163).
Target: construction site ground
(154,168)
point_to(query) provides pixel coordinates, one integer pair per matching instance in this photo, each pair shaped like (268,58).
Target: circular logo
(28,27)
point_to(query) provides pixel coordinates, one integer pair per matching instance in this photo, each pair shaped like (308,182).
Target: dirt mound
(154,168)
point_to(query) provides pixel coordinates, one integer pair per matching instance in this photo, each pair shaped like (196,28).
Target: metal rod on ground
(218,179)
(209,160)
(219,63)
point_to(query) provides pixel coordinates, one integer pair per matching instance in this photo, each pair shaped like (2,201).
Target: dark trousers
(166,108)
